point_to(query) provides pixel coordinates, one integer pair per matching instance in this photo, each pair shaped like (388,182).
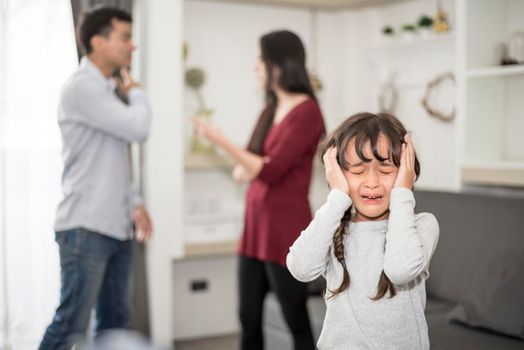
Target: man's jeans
(95,272)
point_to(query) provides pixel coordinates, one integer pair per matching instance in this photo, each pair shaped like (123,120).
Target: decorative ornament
(388,96)
(195,78)
(441,24)
(432,85)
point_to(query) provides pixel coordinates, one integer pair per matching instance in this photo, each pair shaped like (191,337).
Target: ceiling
(321,4)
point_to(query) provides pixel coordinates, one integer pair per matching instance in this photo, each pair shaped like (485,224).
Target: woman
(278,161)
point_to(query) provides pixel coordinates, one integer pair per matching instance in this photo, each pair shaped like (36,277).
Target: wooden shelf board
(493,173)
(399,45)
(207,161)
(495,72)
(210,248)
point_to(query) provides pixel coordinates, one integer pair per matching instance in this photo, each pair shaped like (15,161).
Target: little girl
(367,241)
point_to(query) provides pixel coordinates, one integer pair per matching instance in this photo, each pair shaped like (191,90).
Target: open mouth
(372,197)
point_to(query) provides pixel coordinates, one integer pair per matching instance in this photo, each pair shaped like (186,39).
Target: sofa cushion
(444,335)
(496,299)
(479,258)
(476,230)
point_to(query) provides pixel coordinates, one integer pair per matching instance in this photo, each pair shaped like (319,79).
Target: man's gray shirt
(97,128)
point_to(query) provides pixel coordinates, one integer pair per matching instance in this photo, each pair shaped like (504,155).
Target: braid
(384,285)
(339,251)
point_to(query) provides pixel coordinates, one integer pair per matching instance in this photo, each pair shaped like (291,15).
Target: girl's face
(370,183)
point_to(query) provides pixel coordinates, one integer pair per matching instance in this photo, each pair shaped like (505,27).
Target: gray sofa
(481,241)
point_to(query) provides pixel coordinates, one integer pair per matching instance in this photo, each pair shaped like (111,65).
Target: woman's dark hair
(283,50)
(98,22)
(364,127)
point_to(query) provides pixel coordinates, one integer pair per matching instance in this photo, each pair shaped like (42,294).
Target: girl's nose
(371,181)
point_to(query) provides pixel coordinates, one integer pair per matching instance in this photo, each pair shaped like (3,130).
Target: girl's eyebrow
(385,163)
(357,164)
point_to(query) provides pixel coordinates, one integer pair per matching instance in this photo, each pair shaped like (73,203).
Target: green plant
(388,30)
(408,28)
(425,21)
(195,79)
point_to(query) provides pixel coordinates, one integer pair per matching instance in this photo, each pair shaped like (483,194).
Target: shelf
(493,173)
(418,42)
(329,5)
(213,248)
(195,161)
(494,72)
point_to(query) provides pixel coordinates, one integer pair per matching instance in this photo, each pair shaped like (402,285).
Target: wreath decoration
(431,86)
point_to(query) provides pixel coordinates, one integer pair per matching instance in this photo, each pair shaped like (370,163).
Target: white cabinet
(205,296)
(491,99)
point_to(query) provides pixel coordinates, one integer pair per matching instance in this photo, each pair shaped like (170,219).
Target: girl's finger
(411,153)
(408,152)
(328,156)
(403,155)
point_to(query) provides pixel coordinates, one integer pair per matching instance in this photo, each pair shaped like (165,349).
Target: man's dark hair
(98,22)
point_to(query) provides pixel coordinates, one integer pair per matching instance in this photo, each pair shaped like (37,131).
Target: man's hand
(143,225)
(126,83)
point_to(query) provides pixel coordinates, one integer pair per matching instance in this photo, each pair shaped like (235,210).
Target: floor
(220,343)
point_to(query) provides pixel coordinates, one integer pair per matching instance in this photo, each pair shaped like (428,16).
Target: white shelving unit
(490,96)
(411,64)
(417,42)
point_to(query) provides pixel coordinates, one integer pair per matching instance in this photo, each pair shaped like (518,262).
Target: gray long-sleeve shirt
(402,246)
(97,128)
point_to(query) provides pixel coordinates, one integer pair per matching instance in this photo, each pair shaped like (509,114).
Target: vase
(200,144)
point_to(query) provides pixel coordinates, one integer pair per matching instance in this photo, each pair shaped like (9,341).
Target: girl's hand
(208,131)
(406,174)
(334,174)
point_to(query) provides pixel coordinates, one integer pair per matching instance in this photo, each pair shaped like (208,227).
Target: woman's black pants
(255,279)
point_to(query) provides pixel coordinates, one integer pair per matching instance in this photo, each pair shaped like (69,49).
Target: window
(38,54)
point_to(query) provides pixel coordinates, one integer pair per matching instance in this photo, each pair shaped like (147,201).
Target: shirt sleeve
(309,255)
(301,133)
(135,198)
(410,239)
(101,109)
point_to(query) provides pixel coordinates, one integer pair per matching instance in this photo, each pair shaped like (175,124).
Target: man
(94,221)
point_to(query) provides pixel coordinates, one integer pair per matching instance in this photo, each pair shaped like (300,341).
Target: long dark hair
(364,127)
(282,49)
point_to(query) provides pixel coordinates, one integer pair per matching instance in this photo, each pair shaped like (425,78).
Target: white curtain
(38,54)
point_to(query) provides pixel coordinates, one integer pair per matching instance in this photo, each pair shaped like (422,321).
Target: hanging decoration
(388,96)
(430,89)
